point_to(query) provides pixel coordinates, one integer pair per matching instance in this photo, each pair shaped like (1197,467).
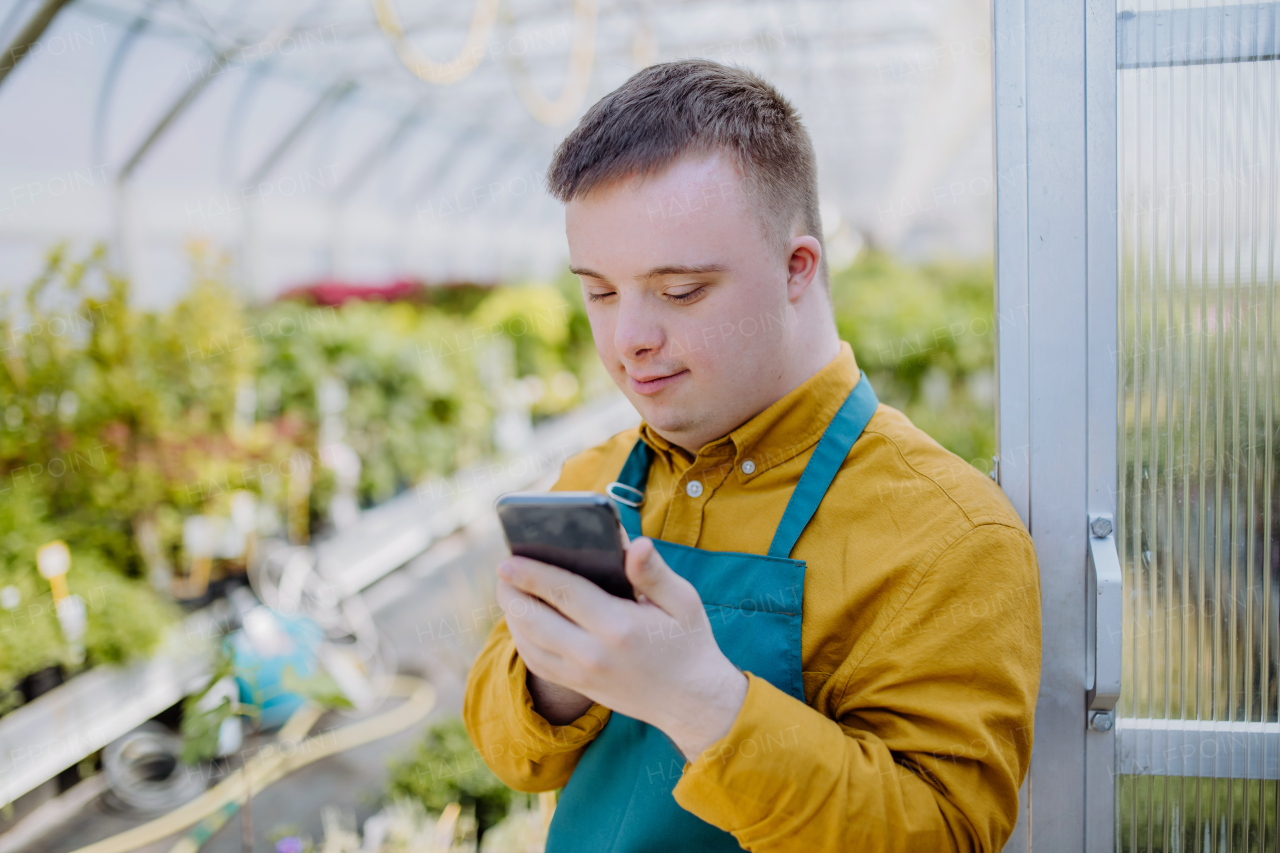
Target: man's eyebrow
(696,269)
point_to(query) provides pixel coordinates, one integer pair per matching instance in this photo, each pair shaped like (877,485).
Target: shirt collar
(782,431)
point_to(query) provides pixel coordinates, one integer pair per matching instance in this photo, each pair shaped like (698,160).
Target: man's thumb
(651,575)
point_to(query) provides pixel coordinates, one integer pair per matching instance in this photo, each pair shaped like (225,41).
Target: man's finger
(537,657)
(541,662)
(576,597)
(547,628)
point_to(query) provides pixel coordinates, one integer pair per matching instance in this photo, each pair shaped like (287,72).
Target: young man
(836,640)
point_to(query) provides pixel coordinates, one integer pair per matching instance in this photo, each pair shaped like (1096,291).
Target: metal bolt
(1101,526)
(1101,721)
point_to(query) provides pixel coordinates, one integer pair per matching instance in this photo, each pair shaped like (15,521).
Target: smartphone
(578,531)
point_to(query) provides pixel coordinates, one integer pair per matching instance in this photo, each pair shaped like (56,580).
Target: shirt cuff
(742,778)
(545,738)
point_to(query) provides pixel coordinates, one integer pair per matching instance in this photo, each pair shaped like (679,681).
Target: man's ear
(803,261)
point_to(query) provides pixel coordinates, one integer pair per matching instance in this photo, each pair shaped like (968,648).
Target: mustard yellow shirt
(920,640)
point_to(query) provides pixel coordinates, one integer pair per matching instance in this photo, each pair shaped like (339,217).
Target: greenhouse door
(1138,175)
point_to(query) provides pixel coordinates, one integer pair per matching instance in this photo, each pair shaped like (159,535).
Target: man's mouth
(654,382)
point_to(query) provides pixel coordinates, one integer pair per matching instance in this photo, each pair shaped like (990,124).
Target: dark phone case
(577,531)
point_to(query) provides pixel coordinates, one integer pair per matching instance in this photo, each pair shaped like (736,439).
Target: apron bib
(619,799)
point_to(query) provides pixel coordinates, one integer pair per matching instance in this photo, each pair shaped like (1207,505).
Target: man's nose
(638,331)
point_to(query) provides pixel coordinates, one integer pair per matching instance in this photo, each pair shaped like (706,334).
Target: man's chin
(664,414)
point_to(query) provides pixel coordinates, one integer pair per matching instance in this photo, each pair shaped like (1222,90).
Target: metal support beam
(29,35)
(331,96)
(378,154)
(1207,748)
(176,109)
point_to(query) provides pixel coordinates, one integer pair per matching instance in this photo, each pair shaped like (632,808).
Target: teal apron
(619,796)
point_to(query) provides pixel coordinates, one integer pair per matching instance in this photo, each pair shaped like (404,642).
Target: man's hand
(653,659)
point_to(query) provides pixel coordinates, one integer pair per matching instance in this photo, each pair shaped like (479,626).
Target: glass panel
(1188,813)
(1199,450)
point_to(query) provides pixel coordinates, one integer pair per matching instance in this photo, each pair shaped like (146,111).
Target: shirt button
(693,488)
(748,467)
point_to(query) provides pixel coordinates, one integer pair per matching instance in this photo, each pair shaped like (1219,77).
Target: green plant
(925,335)
(406,415)
(201,719)
(119,422)
(423,379)
(125,619)
(445,767)
(112,413)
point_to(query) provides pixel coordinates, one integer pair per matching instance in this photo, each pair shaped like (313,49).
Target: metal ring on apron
(610,491)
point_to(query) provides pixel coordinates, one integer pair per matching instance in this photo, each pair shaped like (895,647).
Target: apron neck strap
(849,422)
(838,438)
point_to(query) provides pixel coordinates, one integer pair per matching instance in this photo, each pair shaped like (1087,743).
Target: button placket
(684,519)
(707,476)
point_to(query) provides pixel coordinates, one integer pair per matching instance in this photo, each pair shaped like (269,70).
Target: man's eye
(685,297)
(596,297)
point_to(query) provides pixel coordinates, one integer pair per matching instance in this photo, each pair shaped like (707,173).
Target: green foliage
(115,419)
(125,619)
(30,639)
(200,725)
(925,335)
(579,349)
(200,731)
(201,720)
(459,298)
(407,415)
(545,329)
(445,767)
(112,413)
(422,383)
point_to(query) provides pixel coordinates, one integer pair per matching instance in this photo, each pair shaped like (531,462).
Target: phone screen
(577,531)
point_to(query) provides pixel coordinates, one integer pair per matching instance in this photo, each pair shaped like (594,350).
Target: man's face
(687,301)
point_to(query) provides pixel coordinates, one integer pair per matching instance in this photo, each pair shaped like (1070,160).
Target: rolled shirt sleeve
(926,738)
(522,748)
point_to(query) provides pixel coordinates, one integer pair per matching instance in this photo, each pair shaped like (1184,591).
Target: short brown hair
(698,107)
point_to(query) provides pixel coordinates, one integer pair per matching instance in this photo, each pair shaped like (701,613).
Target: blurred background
(284,305)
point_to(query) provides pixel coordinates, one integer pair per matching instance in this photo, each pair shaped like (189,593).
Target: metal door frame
(1054,77)
(1055,68)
